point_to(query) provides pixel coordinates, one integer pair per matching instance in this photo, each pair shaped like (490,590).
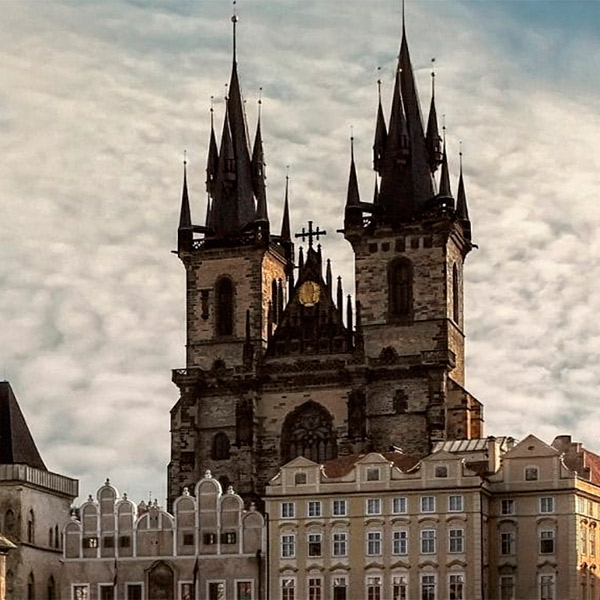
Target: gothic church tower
(279,363)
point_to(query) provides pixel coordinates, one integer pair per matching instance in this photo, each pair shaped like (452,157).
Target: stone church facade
(279,363)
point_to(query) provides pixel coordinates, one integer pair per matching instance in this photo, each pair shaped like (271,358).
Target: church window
(50,537)
(308,431)
(31,527)
(9,522)
(30,587)
(204,303)
(224,298)
(56,537)
(400,288)
(455,295)
(220,448)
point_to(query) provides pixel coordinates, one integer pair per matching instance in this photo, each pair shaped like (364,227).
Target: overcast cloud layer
(98,101)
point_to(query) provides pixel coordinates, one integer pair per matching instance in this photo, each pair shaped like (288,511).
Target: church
(280,363)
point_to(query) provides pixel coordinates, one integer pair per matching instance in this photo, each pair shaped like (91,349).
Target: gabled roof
(16,442)
(339,467)
(531,446)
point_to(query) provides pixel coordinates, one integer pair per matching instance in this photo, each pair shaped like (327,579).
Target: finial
(403,17)
(444,127)
(259,102)
(379,83)
(352,142)
(433,77)
(234,20)
(184,157)
(287,172)
(226,92)
(460,153)
(212,111)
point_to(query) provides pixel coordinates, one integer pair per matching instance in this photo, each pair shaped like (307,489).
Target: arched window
(400,288)
(220,447)
(224,312)
(308,431)
(30,587)
(31,527)
(51,592)
(455,295)
(56,537)
(50,537)
(9,522)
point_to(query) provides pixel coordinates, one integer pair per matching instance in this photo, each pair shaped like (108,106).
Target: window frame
(340,502)
(457,540)
(401,500)
(461,503)
(317,505)
(341,543)
(423,500)
(377,504)
(546,505)
(286,505)
(426,541)
(291,542)
(400,539)
(376,541)
(315,543)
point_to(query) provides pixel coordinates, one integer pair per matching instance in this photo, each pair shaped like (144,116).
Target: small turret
(185,232)
(259,176)
(353,210)
(462,212)
(380,135)
(432,137)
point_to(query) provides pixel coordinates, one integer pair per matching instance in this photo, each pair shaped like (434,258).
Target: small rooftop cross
(310,234)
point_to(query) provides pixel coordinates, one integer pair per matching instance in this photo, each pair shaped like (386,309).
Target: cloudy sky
(100,98)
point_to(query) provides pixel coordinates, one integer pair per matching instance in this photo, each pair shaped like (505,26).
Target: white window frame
(288,507)
(106,584)
(374,580)
(283,543)
(510,502)
(378,541)
(422,583)
(399,502)
(372,474)
(244,580)
(460,501)
(80,585)
(318,540)
(552,577)
(128,583)
(314,509)
(529,469)
(376,509)
(513,585)
(429,540)
(427,504)
(284,578)
(546,505)
(460,537)
(545,538)
(180,588)
(462,581)
(339,503)
(318,578)
(343,542)
(223,581)
(399,579)
(337,579)
(399,540)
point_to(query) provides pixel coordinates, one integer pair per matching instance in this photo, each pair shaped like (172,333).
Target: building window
(90,542)
(507,587)
(186,591)
(373,474)
(399,505)
(507,543)
(531,474)
(314,544)
(428,541)
(229,537)
(427,504)
(300,479)
(547,542)
(31,527)
(107,592)
(441,471)
(582,540)
(592,541)
(400,283)
(288,588)
(339,508)
(547,587)
(57,537)
(340,587)
(124,541)
(30,587)
(428,587)
(224,297)
(220,446)
(340,544)
(288,510)
(315,588)
(216,590)
(374,588)
(373,506)
(400,542)
(399,587)
(81,592)
(373,543)
(547,504)
(51,589)
(314,508)
(456,541)
(507,506)
(134,591)
(243,590)
(455,503)
(9,522)
(288,546)
(456,586)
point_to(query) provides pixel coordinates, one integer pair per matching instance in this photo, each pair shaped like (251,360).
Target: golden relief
(309,293)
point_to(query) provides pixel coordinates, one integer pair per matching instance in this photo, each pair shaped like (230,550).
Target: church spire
(353,216)
(380,135)
(286,235)
(212,163)
(184,232)
(258,173)
(432,137)
(445,190)
(462,211)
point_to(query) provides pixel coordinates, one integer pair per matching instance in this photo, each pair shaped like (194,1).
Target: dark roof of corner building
(338,467)
(16,442)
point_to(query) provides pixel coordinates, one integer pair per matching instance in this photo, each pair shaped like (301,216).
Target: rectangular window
(188,539)
(288,546)
(373,506)
(124,541)
(315,588)
(288,588)
(288,510)
(546,587)
(373,474)
(456,587)
(216,590)
(340,588)
(428,541)
(209,539)
(592,544)
(106,592)
(582,540)
(441,471)
(547,504)
(314,508)
(134,591)
(374,543)
(507,543)
(507,506)
(427,504)
(456,540)
(186,591)
(400,542)
(300,479)
(243,590)
(507,587)
(90,542)
(109,541)
(399,505)
(427,587)
(228,537)
(399,587)
(340,544)
(314,544)
(531,474)
(374,588)
(339,508)
(81,592)
(455,503)
(547,542)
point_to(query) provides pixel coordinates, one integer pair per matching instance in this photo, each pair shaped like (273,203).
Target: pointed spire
(286,234)
(340,296)
(380,133)
(432,138)
(462,211)
(234,20)
(212,163)
(349,313)
(353,197)
(445,190)
(208,211)
(329,277)
(258,172)
(376,192)
(184,233)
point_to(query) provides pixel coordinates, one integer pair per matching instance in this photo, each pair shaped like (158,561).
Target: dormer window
(300,479)
(441,471)
(373,474)
(531,474)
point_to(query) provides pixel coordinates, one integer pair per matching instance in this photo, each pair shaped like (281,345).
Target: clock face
(309,293)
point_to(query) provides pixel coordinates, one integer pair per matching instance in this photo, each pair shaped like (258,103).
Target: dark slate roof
(16,443)
(338,467)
